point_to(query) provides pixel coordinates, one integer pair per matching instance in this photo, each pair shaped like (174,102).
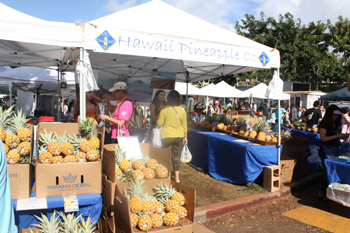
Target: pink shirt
(122,112)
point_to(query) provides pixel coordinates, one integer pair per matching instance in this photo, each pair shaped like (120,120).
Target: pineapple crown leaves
(87,226)
(164,192)
(5,117)
(19,120)
(265,127)
(62,137)
(75,141)
(88,128)
(69,221)
(46,138)
(286,134)
(145,158)
(243,120)
(119,154)
(135,189)
(50,226)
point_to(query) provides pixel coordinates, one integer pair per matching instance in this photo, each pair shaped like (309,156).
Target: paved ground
(269,217)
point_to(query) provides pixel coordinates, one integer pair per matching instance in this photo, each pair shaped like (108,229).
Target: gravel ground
(268,217)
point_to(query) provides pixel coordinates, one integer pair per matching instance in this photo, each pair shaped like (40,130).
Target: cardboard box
(30,230)
(162,155)
(107,222)
(287,169)
(295,148)
(67,178)
(108,194)
(20,180)
(122,213)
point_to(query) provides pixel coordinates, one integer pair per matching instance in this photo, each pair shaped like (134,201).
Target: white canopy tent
(258,91)
(156,39)
(189,89)
(224,90)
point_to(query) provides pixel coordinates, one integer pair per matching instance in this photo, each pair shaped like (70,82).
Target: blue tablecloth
(89,205)
(337,172)
(228,158)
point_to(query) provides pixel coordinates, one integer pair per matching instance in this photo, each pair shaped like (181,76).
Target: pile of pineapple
(137,169)
(15,135)
(54,148)
(221,122)
(165,207)
(61,223)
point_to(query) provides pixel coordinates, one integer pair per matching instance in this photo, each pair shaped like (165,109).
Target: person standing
(330,134)
(302,117)
(267,111)
(7,218)
(217,108)
(313,115)
(345,122)
(323,110)
(173,121)
(210,109)
(199,110)
(293,114)
(122,111)
(158,103)
(92,109)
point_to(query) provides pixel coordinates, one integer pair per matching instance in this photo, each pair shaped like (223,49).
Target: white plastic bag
(157,141)
(186,155)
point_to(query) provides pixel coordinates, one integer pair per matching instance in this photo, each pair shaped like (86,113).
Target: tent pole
(58,95)
(10,97)
(279,127)
(187,81)
(82,94)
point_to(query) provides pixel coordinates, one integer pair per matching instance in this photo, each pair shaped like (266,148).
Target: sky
(224,13)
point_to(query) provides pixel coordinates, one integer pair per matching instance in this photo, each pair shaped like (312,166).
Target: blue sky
(223,13)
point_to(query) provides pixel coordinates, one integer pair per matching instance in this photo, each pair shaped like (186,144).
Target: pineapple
(125,166)
(57,159)
(264,130)
(145,223)
(134,194)
(157,220)
(137,175)
(171,219)
(5,118)
(148,173)
(45,157)
(92,155)
(152,163)
(118,173)
(181,212)
(134,219)
(243,122)
(45,138)
(85,146)
(163,192)
(171,206)
(67,147)
(70,159)
(19,125)
(138,165)
(135,204)
(256,128)
(179,197)
(158,207)
(162,172)
(88,129)
(6,147)
(12,140)
(45,225)
(147,207)
(80,156)
(268,138)
(12,156)
(54,148)
(23,148)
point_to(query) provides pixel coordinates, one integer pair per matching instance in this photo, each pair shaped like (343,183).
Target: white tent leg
(58,95)
(279,127)
(10,97)
(82,94)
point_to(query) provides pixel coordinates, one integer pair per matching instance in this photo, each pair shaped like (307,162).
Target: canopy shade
(224,90)
(341,94)
(192,90)
(29,41)
(258,91)
(158,37)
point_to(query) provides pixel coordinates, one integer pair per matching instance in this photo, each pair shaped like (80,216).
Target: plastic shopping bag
(157,141)
(186,155)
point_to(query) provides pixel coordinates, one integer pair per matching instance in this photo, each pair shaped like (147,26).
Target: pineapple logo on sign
(69,178)
(105,40)
(264,59)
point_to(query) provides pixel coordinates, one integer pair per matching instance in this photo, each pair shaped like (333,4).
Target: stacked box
(108,166)
(67,178)
(122,207)
(20,175)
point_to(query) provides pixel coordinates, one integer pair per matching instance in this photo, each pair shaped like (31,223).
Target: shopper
(345,122)
(173,121)
(158,103)
(122,111)
(313,115)
(92,109)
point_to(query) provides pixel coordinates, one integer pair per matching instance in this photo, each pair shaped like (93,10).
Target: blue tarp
(229,159)
(337,172)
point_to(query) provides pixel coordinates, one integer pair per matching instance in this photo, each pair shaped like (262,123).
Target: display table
(89,205)
(228,158)
(337,172)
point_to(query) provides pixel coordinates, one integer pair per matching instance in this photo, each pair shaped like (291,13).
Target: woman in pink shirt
(122,111)
(345,123)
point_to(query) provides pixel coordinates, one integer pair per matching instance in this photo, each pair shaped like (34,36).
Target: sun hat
(118,86)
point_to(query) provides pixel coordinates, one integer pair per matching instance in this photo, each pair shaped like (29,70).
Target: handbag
(157,141)
(186,155)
